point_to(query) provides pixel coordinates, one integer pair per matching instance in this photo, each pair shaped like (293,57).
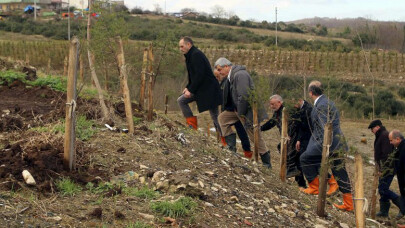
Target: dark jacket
(323,111)
(201,81)
(304,124)
(240,85)
(400,166)
(274,121)
(382,147)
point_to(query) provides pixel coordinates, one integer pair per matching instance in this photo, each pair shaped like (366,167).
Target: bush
(401,92)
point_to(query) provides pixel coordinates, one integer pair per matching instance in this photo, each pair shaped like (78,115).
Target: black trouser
(311,163)
(243,136)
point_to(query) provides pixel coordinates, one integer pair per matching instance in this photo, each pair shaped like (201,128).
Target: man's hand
(186,93)
(297,145)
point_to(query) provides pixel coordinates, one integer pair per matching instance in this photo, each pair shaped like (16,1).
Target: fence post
(143,79)
(69,143)
(256,130)
(166,103)
(359,192)
(284,138)
(124,85)
(151,80)
(374,193)
(327,140)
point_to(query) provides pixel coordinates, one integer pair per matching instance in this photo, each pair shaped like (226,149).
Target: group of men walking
(231,87)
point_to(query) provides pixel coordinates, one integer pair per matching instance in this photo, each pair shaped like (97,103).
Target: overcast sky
(288,10)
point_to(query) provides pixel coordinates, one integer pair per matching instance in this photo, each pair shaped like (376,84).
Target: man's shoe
(248,154)
(231,142)
(347,203)
(266,159)
(313,188)
(192,122)
(333,186)
(384,209)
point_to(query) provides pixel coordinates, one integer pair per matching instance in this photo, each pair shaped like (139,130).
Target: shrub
(401,92)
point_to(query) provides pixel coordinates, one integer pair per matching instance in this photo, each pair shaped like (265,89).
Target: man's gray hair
(223,62)
(396,134)
(276,97)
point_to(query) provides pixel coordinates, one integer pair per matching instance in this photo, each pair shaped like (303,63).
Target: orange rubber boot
(223,141)
(192,122)
(347,203)
(333,186)
(248,154)
(313,188)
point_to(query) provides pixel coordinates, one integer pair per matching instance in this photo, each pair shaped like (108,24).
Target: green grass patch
(138,225)
(102,187)
(144,193)
(40,129)
(67,187)
(10,76)
(137,120)
(180,208)
(53,82)
(84,128)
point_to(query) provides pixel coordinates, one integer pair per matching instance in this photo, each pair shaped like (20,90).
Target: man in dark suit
(202,87)
(382,150)
(325,111)
(398,141)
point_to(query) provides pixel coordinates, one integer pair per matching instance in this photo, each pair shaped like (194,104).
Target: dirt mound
(42,156)
(24,106)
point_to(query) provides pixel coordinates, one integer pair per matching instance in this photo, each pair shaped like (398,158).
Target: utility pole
(68,19)
(276,28)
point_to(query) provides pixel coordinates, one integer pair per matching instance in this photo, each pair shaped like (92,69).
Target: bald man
(397,140)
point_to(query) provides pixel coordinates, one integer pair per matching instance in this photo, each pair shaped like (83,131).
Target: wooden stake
(69,143)
(151,80)
(374,192)
(49,65)
(65,66)
(143,79)
(208,129)
(256,130)
(81,74)
(124,84)
(327,141)
(166,103)
(359,192)
(284,137)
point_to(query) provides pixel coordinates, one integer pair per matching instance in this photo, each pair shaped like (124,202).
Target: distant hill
(337,23)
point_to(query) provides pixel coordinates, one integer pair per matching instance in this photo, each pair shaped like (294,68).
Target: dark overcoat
(201,81)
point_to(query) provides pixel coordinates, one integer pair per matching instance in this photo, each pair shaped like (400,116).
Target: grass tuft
(67,187)
(180,208)
(138,225)
(144,193)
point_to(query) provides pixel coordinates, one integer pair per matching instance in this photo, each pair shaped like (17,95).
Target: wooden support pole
(65,66)
(208,129)
(374,192)
(284,137)
(256,130)
(124,84)
(81,74)
(359,192)
(151,82)
(327,141)
(166,103)
(143,79)
(69,143)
